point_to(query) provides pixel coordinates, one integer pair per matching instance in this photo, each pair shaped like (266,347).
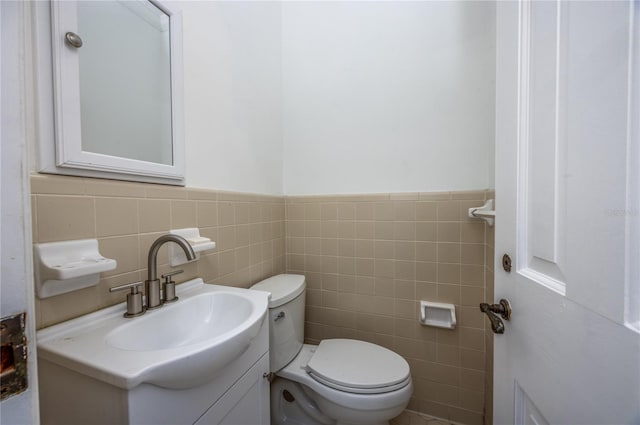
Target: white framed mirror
(110,77)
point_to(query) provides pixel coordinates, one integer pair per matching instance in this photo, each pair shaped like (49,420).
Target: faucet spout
(152,284)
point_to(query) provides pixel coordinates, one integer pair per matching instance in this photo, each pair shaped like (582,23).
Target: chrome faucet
(152,284)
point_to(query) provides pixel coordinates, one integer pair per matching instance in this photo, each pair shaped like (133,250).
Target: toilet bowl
(339,381)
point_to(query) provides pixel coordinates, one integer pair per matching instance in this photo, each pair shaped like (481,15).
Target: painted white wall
(232,95)
(232,83)
(338,97)
(388,96)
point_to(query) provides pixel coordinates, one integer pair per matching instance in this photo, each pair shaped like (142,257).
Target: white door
(568,212)
(16,282)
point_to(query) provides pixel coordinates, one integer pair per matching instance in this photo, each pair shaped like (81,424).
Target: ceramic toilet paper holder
(440,315)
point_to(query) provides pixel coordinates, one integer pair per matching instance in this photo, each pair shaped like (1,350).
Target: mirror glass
(125,80)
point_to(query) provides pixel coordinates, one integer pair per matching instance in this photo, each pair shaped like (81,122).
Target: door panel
(526,412)
(16,271)
(566,190)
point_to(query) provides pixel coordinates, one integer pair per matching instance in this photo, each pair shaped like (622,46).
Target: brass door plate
(506,263)
(13,356)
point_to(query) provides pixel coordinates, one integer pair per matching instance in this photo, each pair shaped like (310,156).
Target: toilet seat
(358,367)
(379,390)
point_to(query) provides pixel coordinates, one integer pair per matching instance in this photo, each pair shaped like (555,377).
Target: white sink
(181,345)
(199,318)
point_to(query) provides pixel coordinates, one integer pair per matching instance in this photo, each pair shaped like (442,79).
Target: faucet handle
(134,299)
(133,286)
(167,276)
(169,293)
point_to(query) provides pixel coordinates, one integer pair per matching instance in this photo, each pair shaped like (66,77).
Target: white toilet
(340,381)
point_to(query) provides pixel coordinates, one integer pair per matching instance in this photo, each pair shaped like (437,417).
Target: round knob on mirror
(73,39)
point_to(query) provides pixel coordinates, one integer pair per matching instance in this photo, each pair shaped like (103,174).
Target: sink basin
(199,318)
(181,345)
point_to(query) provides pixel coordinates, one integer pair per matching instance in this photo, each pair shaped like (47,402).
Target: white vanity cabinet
(247,402)
(102,368)
(238,395)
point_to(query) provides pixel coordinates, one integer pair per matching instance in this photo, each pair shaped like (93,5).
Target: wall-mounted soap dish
(440,315)
(197,242)
(62,267)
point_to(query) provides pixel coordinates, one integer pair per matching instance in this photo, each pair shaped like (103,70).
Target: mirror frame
(58,106)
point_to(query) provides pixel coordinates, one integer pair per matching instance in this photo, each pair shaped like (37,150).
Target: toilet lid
(283,288)
(358,366)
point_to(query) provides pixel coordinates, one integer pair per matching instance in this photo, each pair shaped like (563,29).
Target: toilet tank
(286,317)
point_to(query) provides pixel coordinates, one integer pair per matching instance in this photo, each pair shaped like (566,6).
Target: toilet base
(291,404)
(376,423)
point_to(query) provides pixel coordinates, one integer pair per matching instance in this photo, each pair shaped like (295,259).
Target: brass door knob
(492,310)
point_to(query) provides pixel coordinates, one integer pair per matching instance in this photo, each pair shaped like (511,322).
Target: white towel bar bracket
(485,212)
